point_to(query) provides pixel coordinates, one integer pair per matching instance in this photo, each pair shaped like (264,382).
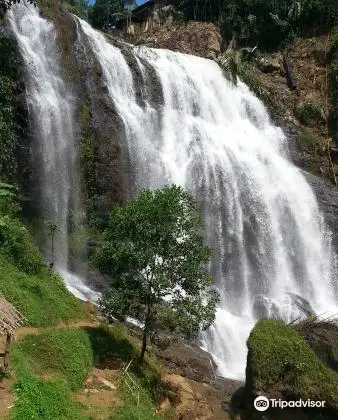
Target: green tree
(153,252)
(77,7)
(104,12)
(52,229)
(8,201)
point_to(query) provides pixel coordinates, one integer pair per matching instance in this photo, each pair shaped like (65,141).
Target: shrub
(17,244)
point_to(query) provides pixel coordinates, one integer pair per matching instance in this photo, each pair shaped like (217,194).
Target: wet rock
(188,360)
(327,196)
(268,64)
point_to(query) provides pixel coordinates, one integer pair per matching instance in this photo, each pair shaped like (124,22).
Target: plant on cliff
(154,254)
(333,69)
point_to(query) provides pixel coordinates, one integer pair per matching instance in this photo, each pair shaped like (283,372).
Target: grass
(62,352)
(307,140)
(113,344)
(51,365)
(137,402)
(280,358)
(42,298)
(40,399)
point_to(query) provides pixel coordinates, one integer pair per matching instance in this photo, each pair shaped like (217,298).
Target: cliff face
(197,38)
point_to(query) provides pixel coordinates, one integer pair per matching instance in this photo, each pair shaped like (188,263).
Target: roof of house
(10,318)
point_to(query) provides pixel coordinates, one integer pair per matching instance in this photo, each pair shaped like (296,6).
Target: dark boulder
(322,337)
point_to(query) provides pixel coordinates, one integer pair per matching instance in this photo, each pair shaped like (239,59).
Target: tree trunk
(8,345)
(144,345)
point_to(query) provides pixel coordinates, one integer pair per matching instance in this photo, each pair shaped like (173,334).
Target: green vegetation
(77,7)
(60,352)
(311,113)
(153,252)
(52,230)
(42,298)
(307,140)
(130,410)
(266,22)
(333,69)
(25,281)
(66,357)
(281,360)
(9,119)
(40,399)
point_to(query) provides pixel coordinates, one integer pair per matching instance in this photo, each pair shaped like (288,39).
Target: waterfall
(185,123)
(271,251)
(51,109)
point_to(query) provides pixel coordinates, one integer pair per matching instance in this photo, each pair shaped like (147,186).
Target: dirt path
(6,397)
(21,332)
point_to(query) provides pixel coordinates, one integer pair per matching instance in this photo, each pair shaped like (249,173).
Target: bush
(17,244)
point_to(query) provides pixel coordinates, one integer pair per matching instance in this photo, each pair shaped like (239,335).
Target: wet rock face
(21,171)
(327,195)
(103,159)
(188,360)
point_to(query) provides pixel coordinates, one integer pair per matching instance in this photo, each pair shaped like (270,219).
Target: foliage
(8,201)
(7,126)
(137,406)
(17,245)
(65,352)
(267,22)
(333,70)
(42,298)
(77,7)
(52,230)
(66,356)
(153,252)
(105,12)
(280,357)
(40,399)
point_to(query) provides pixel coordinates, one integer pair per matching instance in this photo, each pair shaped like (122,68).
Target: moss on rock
(281,365)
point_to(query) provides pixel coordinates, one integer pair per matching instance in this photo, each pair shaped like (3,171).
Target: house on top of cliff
(149,16)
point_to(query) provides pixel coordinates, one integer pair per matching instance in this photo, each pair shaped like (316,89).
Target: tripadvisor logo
(262,403)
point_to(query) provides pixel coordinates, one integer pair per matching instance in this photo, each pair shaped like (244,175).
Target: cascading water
(271,255)
(51,107)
